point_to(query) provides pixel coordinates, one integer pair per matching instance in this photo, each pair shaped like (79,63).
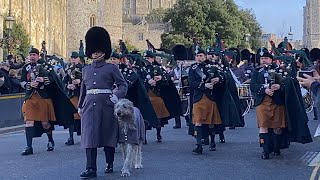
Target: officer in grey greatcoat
(99,127)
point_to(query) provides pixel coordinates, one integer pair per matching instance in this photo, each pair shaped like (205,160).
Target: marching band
(211,88)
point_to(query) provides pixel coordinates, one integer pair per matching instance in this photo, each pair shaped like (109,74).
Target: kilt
(270,115)
(38,109)
(75,100)
(158,105)
(206,111)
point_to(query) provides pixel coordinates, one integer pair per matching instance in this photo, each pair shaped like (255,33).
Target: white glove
(113,98)
(79,111)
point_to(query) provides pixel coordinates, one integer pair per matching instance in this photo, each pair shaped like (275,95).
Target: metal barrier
(10,109)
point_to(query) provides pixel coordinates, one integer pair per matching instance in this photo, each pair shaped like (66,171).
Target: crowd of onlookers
(10,74)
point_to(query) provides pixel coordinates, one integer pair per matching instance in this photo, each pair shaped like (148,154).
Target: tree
(204,18)
(156,15)
(249,20)
(170,40)
(18,42)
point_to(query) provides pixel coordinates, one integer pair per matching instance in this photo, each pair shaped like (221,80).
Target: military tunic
(74,72)
(205,109)
(99,128)
(38,105)
(270,110)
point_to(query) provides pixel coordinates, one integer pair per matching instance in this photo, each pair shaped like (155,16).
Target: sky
(276,16)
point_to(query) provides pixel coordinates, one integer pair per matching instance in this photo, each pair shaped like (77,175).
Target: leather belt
(99,91)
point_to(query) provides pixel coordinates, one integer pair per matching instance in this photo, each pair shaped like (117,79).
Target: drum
(307,99)
(244,91)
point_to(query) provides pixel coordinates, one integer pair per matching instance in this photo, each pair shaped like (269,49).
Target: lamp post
(9,22)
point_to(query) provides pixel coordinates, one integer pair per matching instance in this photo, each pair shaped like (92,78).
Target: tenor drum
(307,99)
(244,91)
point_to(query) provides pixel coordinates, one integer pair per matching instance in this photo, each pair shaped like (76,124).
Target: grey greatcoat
(99,128)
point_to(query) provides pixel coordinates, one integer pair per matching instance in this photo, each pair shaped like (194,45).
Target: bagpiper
(72,82)
(45,102)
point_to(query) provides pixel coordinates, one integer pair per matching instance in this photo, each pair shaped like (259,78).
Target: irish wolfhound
(131,134)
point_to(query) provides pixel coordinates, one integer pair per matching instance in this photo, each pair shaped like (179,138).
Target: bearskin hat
(98,39)
(315,54)
(180,52)
(245,54)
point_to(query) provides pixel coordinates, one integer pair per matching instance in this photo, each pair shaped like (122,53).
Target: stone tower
(311,24)
(83,14)
(140,8)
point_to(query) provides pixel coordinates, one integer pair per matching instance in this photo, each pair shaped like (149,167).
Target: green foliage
(156,15)
(170,40)
(204,18)
(19,40)
(129,46)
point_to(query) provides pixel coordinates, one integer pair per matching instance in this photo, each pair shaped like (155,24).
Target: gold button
(95,74)
(94,104)
(94,83)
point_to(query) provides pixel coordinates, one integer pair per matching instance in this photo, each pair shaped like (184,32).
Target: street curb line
(12,129)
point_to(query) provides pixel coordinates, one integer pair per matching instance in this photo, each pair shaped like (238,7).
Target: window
(92,20)
(140,37)
(126,12)
(127,4)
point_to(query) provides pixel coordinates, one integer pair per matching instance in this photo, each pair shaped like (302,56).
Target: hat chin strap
(99,58)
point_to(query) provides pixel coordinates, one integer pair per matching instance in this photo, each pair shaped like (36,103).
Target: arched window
(92,20)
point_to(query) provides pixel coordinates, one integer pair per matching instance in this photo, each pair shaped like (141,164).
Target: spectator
(6,87)
(15,82)
(1,80)
(18,62)
(314,84)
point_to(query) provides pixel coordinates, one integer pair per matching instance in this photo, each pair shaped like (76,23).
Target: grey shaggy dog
(131,134)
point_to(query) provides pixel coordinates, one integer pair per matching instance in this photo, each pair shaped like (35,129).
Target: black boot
(198,135)
(212,138)
(70,140)
(159,137)
(276,144)
(109,153)
(265,143)
(178,122)
(145,135)
(29,136)
(221,137)
(91,167)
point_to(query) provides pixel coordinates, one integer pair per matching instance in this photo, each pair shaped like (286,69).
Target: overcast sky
(276,16)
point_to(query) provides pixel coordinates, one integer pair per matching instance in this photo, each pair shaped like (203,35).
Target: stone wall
(137,35)
(106,13)
(42,19)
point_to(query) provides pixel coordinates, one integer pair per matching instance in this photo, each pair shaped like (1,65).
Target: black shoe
(109,169)
(198,150)
(232,127)
(277,153)
(205,141)
(50,146)
(159,139)
(265,155)
(315,118)
(88,173)
(69,142)
(176,127)
(212,147)
(27,151)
